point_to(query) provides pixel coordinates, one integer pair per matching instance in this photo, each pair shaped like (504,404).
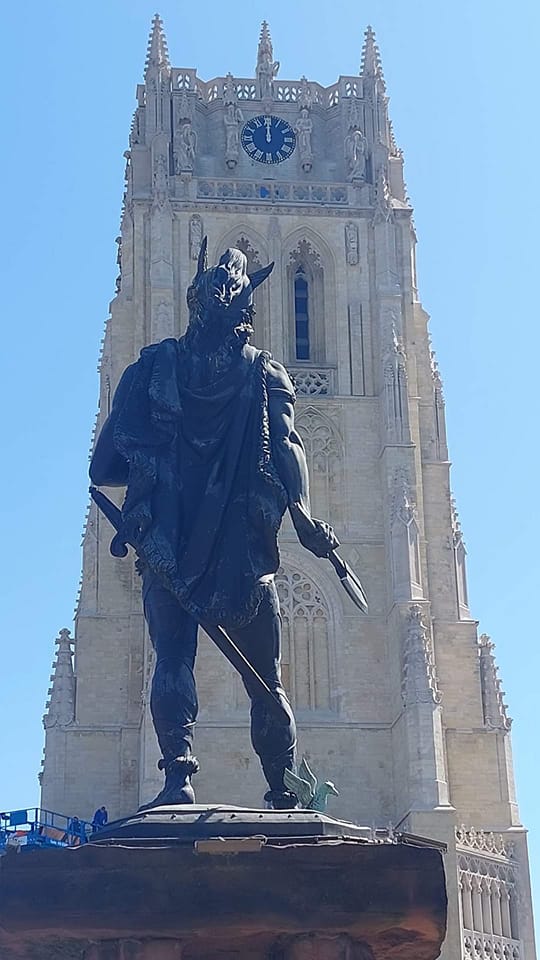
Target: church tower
(402,708)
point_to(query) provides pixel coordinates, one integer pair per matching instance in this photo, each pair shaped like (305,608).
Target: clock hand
(268,123)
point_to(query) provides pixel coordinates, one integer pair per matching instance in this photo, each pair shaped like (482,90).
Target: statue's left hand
(317,536)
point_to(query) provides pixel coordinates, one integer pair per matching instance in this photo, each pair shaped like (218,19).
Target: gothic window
(324,456)
(305,664)
(252,255)
(301,315)
(306,305)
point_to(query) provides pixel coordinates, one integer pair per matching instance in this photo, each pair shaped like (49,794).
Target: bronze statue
(202,434)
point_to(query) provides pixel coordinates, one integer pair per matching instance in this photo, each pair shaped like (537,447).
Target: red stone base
(333,900)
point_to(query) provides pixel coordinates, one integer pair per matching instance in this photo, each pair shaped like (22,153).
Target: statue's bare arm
(290,461)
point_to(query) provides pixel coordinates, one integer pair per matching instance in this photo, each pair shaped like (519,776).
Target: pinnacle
(157,54)
(265,40)
(370,65)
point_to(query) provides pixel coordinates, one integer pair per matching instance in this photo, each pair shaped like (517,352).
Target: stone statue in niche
(161,178)
(303,129)
(351,243)
(305,96)
(202,434)
(195,236)
(232,118)
(356,154)
(267,67)
(186,145)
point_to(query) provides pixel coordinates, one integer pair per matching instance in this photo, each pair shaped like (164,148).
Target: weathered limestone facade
(402,708)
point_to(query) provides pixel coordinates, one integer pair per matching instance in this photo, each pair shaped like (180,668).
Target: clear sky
(463,83)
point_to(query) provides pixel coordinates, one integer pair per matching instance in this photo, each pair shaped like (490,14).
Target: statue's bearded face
(221,297)
(225,287)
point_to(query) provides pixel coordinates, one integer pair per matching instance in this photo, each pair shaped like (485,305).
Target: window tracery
(305,661)
(323,446)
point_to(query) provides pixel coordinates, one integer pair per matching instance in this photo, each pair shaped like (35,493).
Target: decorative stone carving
(161,179)
(267,191)
(441,447)
(323,446)
(232,118)
(405,545)
(419,682)
(311,383)
(184,109)
(383,205)
(305,659)
(185,148)
(488,882)
(355,154)
(267,68)
(162,325)
(355,145)
(229,90)
(304,255)
(460,565)
(305,95)
(60,707)
(253,256)
(118,281)
(351,243)
(495,709)
(396,400)
(195,236)
(304,129)
(485,841)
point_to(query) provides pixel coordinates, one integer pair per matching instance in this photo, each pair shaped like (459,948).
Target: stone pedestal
(147,892)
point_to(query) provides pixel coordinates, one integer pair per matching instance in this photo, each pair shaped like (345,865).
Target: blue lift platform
(34,828)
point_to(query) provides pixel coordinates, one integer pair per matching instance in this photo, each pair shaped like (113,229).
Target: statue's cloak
(204,502)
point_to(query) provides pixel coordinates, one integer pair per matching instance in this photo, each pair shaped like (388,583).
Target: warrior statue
(202,434)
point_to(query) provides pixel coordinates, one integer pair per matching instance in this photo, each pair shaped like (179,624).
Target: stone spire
(495,709)
(60,707)
(370,65)
(157,54)
(267,67)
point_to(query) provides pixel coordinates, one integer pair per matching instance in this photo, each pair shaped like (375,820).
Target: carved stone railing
(312,381)
(481,947)
(488,878)
(273,191)
(485,841)
(285,91)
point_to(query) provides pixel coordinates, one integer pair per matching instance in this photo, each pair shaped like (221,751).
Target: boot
(281,800)
(177,788)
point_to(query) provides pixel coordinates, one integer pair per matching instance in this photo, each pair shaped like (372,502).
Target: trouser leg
(273,736)
(173,698)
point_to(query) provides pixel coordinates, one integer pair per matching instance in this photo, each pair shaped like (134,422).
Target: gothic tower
(403,708)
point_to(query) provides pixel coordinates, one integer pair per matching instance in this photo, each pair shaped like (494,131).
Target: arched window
(305,282)
(305,661)
(301,314)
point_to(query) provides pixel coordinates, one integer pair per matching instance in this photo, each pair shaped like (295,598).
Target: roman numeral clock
(268,139)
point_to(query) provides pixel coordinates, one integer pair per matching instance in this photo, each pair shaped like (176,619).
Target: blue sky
(463,86)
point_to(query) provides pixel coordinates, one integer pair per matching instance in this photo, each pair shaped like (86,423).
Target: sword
(216,633)
(349,581)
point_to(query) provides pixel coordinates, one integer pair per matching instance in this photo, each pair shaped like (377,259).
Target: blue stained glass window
(301,314)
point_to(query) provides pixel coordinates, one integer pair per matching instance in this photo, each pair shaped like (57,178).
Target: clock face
(268,139)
